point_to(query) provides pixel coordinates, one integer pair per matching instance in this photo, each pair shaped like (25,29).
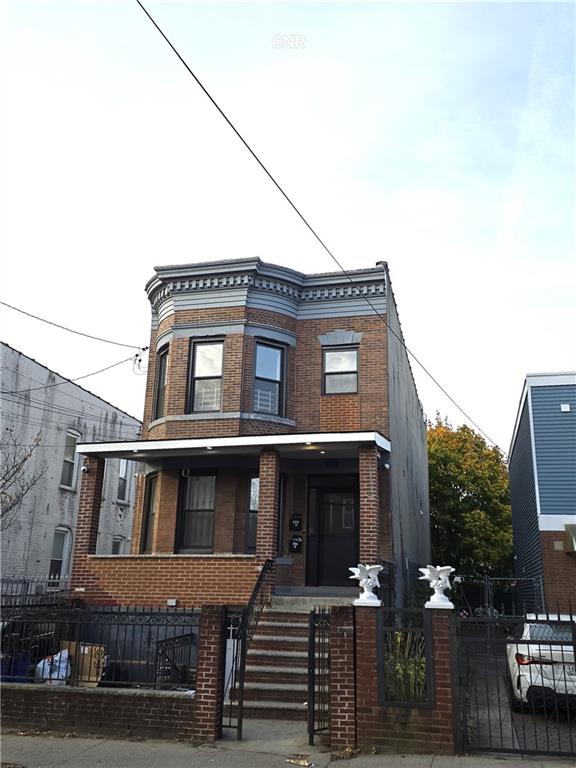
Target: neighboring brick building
(543,489)
(281,422)
(38,403)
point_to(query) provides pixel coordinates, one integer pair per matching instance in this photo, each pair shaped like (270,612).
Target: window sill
(67,488)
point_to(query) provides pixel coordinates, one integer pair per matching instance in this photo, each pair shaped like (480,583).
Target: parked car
(540,655)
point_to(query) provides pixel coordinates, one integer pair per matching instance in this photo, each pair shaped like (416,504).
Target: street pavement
(267,744)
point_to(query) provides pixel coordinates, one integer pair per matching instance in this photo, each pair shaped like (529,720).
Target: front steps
(276,679)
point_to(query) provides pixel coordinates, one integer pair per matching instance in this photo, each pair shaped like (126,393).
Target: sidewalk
(264,746)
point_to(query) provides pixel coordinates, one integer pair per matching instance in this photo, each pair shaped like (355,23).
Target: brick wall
(559,567)
(370,513)
(267,530)
(152,579)
(99,711)
(396,729)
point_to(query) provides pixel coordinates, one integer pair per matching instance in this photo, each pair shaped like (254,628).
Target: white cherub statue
(439,578)
(367,575)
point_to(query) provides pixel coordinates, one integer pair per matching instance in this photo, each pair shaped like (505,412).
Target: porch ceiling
(290,446)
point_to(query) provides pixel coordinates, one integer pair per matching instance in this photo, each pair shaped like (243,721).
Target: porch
(210,512)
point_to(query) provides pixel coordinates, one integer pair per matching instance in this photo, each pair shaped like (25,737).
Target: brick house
(281,422)
(542,471)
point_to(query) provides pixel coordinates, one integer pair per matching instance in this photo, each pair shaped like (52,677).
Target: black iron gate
(318,673)
(516,680)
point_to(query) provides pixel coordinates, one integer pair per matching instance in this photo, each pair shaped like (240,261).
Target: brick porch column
(88,517)
(369,517)
(267,530)
(210,672)
(342,677)
(164,532)
(444,684)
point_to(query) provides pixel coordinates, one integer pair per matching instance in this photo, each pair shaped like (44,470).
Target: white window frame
(66,552)
(123,463)
(121,541)
(77,438)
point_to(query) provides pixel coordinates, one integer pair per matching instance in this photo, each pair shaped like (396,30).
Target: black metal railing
(318,673)
(517,683)
(239,632)
(99,646)
(404,653)
(34,590)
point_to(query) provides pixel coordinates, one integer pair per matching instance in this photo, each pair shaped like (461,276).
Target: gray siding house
(40,405)
(542,469)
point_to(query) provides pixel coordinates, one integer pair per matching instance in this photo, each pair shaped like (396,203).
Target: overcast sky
(436,136)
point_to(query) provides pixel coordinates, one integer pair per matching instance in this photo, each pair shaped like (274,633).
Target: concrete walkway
(266,745)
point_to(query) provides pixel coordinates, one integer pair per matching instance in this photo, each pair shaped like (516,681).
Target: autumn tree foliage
(470,512)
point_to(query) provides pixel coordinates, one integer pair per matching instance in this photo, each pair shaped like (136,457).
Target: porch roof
(291,445)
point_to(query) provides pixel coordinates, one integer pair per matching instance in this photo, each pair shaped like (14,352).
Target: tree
(16,475)
(470,510)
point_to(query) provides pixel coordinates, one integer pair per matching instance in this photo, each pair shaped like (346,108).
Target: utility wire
(71,330)
(309,226)
(67,381)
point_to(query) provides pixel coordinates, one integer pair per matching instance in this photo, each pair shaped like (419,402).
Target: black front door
(332,534)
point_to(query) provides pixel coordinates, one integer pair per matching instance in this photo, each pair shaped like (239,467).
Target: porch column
(369,550)
(267,530)
(166,513)
(88,516)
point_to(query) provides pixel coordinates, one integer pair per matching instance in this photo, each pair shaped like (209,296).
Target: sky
(439,137)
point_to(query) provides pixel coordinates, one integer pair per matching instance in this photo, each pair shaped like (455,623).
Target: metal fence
(404,657)
(318,673)
(99,646)
(25,590)
(517,684)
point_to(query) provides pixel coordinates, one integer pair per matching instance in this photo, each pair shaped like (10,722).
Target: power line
(309,226)
(71,330)
(67,381)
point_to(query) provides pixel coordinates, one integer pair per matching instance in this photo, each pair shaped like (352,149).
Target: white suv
(540,656)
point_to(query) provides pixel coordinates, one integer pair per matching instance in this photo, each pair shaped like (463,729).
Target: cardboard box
(88,661)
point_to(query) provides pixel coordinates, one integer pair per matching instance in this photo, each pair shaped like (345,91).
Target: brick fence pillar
(367,699)
(267,527)
(342,677)
(369,505)
(88,518)
(210,672)
(443,677)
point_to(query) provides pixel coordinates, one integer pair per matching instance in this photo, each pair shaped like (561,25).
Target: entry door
(333,536)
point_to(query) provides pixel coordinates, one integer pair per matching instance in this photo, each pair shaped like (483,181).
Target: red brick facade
(559,566)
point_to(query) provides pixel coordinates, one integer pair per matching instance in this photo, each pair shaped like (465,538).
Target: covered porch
(209,512)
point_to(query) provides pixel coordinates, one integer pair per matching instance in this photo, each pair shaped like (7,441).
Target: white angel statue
(439,578)
(367,576)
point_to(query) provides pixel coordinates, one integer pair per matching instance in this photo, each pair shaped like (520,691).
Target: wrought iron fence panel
(404,653)
(318,673)
(100,646)
(517,681)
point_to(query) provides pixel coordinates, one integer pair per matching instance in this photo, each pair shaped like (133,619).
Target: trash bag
(54,669)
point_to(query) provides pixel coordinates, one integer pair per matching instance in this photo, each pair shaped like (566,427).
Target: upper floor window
(268,383)
(118,543)
(161,378)
(70,463)
(340,371)
(122,494)
(206,384)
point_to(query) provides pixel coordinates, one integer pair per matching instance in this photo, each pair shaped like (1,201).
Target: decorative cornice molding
(371,283)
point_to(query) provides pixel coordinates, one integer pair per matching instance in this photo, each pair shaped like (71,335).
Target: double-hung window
(340,371)
(161,378)
(196,526)
(206,384)
(149,514)
(122,494)
(70,462)
(268,382)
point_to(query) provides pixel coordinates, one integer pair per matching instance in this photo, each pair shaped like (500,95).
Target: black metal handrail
(242,630)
